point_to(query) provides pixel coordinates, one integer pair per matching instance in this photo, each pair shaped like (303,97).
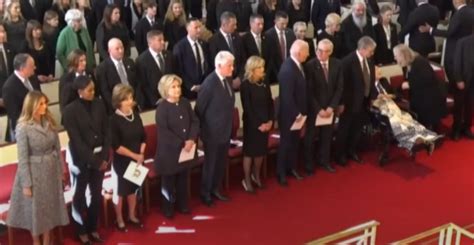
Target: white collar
(220,76)
(224,33)
(296,61)
(153,53)
(22,79)
(255,35)
(361,59)
(462,5)
(191,41)
(116,62)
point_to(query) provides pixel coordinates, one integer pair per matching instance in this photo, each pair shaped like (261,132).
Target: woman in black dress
(36,47)
(296,12)
(174,23)
(257,104)
(128,143)
(111,27)
(267,9)
(385,37)
(177,129)
(15,26)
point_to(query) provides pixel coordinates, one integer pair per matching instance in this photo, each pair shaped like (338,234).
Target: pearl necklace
(120,113)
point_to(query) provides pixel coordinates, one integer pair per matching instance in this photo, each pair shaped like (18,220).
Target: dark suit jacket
(251,49)
(214,107)
(86,131)
(186,65)
(321,8)
(292,94)
(241,8)
(422,43)
(406,6)
(383,54)
(460,25)
(275,55)
(351,33)
(322,93)
(67,93)
(14,92)
(218,43)
(149,74)
(336,40)
(107,77)
(4,74)
(34,13)
(464,60)
(353,96)
(141,29)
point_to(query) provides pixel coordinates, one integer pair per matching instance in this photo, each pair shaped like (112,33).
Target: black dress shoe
(342,161)
(354,157)
(184,211)
(296,175)
(221,197)
(207,200)
(383,159)
(468,134)
(136,224)
(96,238)
(282,181)
(328,168)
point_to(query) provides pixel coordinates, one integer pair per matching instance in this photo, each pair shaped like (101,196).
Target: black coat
(353,96)
(175,124)
(464,60)
(423,43)
(14,93)
(34,13)
(103,35)
(4,74)
(351,33)
(218,43)
(107,77)
(87,130)
(149,74)
(186,65)
(67,93)
(296,15)
(214,108)
(427,98)
(173,32)
(383,54)
(336,39)
(251,49)
(321,9)
(141,29)
(406,6)
(241,8)
(275,56)
(268,15)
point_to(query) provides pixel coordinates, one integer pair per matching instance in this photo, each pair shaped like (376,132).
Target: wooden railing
(444,234)
(361,234)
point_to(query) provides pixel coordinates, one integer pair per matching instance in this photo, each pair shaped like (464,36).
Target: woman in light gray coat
(37,199)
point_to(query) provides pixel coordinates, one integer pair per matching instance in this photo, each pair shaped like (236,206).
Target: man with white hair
(355,26)
(292,108)
(214,107)
(114,70)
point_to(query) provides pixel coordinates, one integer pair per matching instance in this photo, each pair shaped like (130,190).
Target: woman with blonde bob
(258,116)
(177,129)
(37,199)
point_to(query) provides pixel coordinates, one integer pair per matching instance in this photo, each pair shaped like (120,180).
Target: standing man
(145,24)
(254,41)
(192,61)
(325,86)
(359,77)
(17,86)
(293,106)
(214,107)
(355,26)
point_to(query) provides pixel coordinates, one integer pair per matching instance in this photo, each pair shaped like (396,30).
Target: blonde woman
(15,26)
(258,120)
(174,23)
(37,200)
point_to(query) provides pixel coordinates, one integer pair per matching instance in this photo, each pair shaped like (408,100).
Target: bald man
(114,70)
(292,108)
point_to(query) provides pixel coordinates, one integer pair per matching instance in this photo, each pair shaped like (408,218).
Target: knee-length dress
(258,108)
(130,134)
(40,168)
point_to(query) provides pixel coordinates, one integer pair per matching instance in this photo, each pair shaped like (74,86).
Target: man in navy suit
(16,88)
(254,41)
(191,58)
(293,106)
(145,24)
(214,107)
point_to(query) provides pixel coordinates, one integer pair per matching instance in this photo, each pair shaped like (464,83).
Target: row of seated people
(311,90)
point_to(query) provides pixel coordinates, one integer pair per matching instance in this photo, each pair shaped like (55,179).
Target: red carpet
(405,197)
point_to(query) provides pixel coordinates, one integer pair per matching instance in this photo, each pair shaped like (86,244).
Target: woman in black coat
(177,129)
(111,27)
(427,95)
(385,37)
(174,23)
(258,120)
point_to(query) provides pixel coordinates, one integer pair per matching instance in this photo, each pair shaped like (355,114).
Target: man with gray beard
(355,26)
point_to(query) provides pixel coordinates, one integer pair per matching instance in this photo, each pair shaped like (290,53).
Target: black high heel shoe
(136,224)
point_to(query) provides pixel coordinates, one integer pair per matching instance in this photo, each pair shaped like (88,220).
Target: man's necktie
(282,45)
(226,87)
(366,75)
(161,62)
(198,59)
(231,44)
(122,73)
(28,85)
(258,40)
(3,64)
(325,70)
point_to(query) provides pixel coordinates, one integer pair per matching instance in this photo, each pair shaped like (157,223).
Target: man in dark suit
(293,107)
(114,70)
(6,65)
(241,8)
(191,58)
(321,9)
(151,65)
(214,107)
(359,77)
(355,26)
(325,81)
(460,25)
(421,42)
(226,39)
(16,88)
(405,6)
(279,40)
(147,23)
(254,41)
(464,78)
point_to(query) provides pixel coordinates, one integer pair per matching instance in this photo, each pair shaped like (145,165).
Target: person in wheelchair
(397,123)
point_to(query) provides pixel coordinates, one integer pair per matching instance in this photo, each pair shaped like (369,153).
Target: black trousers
(215,155)
(287,150)
(324,143)
(85,216)
(349,132)
(174,189)
(462,111)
